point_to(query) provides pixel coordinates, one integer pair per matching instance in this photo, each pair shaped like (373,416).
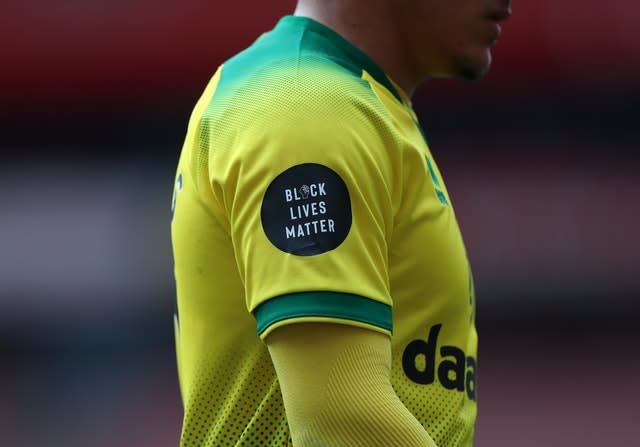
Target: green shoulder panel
(297,43)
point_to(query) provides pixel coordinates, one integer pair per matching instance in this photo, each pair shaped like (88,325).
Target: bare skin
(413,40)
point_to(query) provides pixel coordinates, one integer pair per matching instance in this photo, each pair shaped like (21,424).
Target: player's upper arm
(307,192)
(335,381)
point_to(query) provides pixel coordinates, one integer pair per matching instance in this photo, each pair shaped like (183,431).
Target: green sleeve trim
(323,304)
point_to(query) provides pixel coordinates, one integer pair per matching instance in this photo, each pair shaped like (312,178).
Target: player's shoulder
(293,70)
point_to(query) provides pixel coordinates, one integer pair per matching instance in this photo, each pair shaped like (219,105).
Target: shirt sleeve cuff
(342,308)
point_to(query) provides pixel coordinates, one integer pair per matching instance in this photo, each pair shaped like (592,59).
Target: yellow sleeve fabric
(306,190)
(335,382)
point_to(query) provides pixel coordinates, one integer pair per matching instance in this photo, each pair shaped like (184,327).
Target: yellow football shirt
(305,191)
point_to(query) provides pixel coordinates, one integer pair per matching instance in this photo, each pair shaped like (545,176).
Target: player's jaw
(458,36)
(474,61)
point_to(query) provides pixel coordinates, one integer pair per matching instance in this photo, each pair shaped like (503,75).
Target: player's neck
(370,29)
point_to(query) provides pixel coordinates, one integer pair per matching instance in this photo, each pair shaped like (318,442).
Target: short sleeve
(306,189)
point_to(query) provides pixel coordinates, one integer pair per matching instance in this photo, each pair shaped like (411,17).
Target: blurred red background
(146,47)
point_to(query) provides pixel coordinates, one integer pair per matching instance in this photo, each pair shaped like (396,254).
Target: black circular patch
(306,210)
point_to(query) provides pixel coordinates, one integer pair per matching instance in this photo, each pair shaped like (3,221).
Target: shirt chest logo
(437,184)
